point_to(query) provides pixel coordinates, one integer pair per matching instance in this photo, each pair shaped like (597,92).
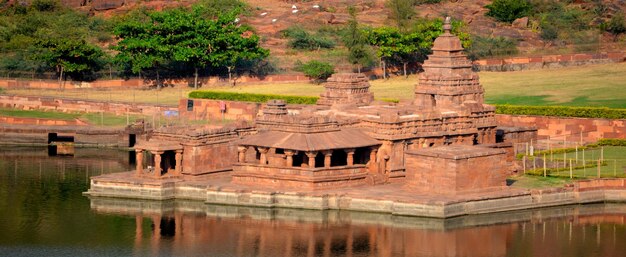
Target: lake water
(43,213)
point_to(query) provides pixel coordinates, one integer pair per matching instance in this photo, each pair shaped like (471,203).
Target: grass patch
(533,182)
(104,119)
(38,114)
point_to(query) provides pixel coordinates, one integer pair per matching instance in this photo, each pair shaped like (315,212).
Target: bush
(612,142)
(563,111)
(509,10)
(616,25)
(45,5)
(301,39)
(491,46)
(316,70)
(247,97)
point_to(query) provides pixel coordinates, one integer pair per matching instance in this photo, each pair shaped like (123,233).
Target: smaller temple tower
(346,88)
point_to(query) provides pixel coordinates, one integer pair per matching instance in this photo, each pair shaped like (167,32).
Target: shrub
(45,5)
(563,111)
(616,25)
(316,70)
(509,10)
(301,39)
(612,142)
(247,97)
(549,32)
(491,46)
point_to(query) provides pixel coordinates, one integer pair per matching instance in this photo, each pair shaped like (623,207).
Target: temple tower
(448,81)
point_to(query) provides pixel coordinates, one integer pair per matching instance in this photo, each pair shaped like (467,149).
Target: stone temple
(441,143)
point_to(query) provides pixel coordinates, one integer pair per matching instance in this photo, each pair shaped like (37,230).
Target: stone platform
(393,198)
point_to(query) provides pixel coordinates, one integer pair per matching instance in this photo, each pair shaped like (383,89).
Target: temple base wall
(206,159)
(455,169)
(281,177)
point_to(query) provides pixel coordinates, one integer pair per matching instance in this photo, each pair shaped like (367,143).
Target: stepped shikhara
(448,81)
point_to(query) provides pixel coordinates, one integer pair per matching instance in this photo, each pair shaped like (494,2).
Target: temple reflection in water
(191,228)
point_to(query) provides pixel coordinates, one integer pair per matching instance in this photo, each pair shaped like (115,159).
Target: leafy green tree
(189,37)
(509,10)
(359,52)
(412,45)
(141,45)
(69,56)
(234,43)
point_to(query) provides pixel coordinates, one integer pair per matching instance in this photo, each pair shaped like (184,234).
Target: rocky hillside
(270,17)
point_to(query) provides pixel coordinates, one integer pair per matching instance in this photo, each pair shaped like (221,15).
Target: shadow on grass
(582,101)
(519,100)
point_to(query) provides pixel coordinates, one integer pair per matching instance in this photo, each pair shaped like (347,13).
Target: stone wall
(206,109)
(74,105)
(590,130)
(134,83)
(547,61)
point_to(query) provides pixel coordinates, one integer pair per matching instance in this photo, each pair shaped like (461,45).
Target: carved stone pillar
(350,153)
(263,158)
(179,162)
(139,160)
(327,155)
(242,153)
(373,152)
(157,163)
(311,156)
(289,158)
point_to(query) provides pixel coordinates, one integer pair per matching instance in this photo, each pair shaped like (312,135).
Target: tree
(141,45)
(189,37)
(386,40)
(151,40)
(401,11)
(234,43)
(359,52)
(412,45)
(68,56)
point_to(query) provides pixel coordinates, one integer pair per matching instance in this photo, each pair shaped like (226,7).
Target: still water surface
(43,213)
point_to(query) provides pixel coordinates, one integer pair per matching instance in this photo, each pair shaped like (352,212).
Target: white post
(570,169)
(544,165)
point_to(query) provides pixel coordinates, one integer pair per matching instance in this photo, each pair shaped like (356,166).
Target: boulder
(520,22)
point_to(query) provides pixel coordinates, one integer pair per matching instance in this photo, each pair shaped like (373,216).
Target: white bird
(294,11)
(316,6)
(263,14)
(236,20)
(294,7)
(274,20)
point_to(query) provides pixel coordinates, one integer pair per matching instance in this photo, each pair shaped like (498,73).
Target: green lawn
(592,85)
(614,162)
(526,181)
(100,119)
